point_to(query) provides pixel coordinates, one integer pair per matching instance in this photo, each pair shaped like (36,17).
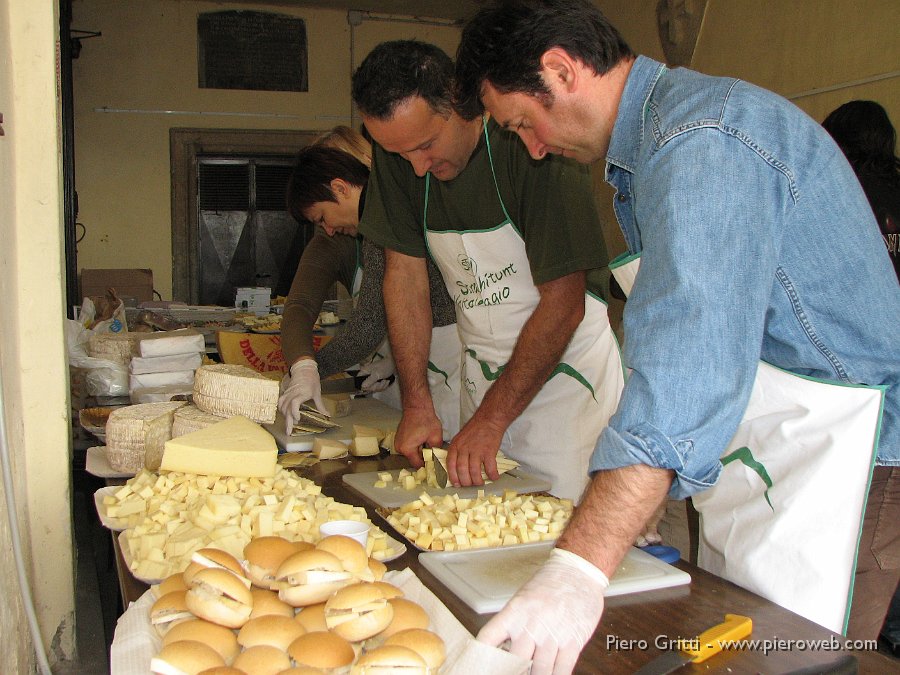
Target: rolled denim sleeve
(708,207)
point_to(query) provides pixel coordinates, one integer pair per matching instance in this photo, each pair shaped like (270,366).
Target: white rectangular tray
(393,495)
(485,579)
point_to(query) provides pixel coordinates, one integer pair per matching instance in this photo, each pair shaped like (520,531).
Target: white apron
(488,276)
(785,517)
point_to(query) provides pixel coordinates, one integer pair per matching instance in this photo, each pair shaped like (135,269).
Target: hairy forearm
(538,350)
(615,508)
(408,308)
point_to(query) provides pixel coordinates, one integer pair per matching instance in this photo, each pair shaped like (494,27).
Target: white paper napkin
(135,642)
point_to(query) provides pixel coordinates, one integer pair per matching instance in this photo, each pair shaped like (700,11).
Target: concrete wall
(795,47)
(32,356)
(146,62)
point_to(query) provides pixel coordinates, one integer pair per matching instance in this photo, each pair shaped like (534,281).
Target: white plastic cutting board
(485,579)
(393,495)
(369,412)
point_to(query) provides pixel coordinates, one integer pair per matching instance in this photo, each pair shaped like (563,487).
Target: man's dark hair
(310,182)
(396,70)
(503,45)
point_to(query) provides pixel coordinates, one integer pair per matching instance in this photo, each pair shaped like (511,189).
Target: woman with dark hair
(864,132)
(327,188)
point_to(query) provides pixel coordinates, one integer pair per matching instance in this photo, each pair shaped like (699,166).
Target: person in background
(350,141)
(327,188)
(864,132)
(754,244)
(541,366)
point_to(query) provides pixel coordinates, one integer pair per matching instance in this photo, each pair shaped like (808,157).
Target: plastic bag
(100,376)
(109,319)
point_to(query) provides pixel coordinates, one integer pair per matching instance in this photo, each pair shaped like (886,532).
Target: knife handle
(709,642)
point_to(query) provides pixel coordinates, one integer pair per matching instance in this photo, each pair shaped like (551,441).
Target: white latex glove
(301,385)
(553,615)
(378,373)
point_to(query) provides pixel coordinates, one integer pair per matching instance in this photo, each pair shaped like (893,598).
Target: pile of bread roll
(290,607)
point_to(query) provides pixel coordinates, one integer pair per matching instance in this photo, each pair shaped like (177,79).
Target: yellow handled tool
(709,643)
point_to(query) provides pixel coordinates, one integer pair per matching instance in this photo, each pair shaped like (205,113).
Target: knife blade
(342,385)
(440,467)
(697,650)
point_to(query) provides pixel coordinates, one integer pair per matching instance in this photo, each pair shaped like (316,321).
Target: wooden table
(627,636)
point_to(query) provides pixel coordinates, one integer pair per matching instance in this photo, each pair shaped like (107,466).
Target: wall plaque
(251,50)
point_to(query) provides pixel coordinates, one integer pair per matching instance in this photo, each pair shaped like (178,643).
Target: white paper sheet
(136,642)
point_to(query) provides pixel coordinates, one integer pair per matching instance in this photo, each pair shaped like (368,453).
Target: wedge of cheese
(190,418)
(324,448)
(233,447)
(227,389)
(136,433)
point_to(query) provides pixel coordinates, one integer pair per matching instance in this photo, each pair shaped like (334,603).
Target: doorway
(232,234)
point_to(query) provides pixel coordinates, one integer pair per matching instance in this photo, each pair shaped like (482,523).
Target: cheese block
(233,447)
(364,446)
(137,433)
(227,389)
(169,342)
(191,418)
(148,380)
(337,405)
(165,364)
(327,449)
(388,442)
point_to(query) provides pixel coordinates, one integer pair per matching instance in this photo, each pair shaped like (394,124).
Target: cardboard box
(129,283)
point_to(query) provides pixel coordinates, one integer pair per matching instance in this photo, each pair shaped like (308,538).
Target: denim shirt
(757,243)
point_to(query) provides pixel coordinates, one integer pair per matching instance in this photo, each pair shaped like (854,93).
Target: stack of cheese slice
(115,347)
(233,447)
(227,389)
(137,433)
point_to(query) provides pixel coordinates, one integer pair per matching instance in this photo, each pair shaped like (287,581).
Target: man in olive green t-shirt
(513,239)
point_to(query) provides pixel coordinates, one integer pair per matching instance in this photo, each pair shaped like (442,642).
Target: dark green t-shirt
(549,201)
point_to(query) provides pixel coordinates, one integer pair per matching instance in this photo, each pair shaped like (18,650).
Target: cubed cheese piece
(364,446)
(233,447)
(324,448)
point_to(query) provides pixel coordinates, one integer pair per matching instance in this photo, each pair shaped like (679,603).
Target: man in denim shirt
(756,243)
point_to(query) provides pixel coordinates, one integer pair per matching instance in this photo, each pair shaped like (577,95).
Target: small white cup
(348,528)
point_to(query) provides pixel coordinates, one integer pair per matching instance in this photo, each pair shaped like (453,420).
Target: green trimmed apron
(488,276)
(785,517)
